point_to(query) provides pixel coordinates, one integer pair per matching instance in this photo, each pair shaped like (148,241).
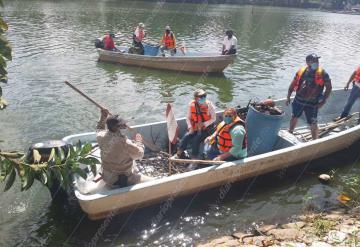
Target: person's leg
(197,140)
(311,113)
(142,48)
(162,50)
(110,178)
(354,95)
(211,151)
(232,51)
(297,110)
(185,141)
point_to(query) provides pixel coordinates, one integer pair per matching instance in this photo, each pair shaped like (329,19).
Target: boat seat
(286,139)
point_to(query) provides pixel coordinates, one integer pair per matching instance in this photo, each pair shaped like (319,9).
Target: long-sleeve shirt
(212,113)
(117,151)
(237,134)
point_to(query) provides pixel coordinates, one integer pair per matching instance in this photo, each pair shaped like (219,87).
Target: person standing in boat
(138,35)
(229,43)
(309,83)
(354,94)
(200,119)
(118,153)
(229,141)
(168,42)
(109,44)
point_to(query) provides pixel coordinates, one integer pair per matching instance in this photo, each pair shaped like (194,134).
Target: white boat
(288,151)
(195,62)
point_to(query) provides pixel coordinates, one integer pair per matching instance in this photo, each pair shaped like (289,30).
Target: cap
(199,92)
(167,28)
(115,120)
(141,25)
(312,57)
(112,35)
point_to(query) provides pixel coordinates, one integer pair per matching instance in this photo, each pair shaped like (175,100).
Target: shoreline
(336,227)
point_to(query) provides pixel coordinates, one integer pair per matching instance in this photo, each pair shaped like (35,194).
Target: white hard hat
(141,24)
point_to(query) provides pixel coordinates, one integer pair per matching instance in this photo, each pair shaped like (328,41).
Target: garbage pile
(266,106)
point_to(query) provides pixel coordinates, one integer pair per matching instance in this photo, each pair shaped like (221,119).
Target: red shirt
(108,43)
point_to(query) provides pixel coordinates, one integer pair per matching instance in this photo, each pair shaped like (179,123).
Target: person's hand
(320,104)
(288,100)
(346,87)
(104,112)
(200,125)
(218,158)
(207,139)
(191,130)
(138,137)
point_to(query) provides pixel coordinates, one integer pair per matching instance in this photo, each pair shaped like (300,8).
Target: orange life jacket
(357,75)
(319,80)
(169,40)
(198,117)
(223,137)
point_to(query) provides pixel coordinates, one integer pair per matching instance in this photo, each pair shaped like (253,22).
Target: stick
(147,143)
(203,162)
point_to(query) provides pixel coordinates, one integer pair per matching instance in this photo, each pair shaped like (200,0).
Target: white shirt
(229,42)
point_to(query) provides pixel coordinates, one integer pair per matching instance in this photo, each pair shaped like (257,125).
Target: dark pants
(139,45)
(212,151)
(354,95)
(196,138)
(231,51)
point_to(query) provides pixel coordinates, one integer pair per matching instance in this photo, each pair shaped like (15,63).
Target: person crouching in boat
(138,35)
(168,42)
(118,153)
(309,83)
(109,44)
(200,119)
(229,43)
(229,141)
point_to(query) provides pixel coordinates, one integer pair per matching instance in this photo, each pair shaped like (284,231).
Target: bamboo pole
(201,162)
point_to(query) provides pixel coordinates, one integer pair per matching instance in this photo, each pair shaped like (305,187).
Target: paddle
(147,143)
(202,162)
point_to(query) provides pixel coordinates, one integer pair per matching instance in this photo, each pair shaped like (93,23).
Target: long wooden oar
(147,143)
(202,162)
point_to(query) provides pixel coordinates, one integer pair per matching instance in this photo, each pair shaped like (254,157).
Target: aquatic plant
(5,55)
(57,168)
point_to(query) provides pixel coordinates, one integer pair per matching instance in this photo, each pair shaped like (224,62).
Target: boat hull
(195,64)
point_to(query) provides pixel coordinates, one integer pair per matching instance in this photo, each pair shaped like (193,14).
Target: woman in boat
(229,141)
(168,42)
(354,94)
(118,153)
(200,119)
(309,83)
(138,35)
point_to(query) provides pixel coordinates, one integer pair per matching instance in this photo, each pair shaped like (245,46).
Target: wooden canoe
(196,63)
(288,151)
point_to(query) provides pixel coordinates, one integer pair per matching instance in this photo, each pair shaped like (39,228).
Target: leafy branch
(5,55)
(59,167)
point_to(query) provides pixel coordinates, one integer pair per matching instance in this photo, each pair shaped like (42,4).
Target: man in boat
(354,94)
(109,44)
(168,42)
(200,119)
(138,35)
(229,141)
(118,153)
(309,83)
(229,43)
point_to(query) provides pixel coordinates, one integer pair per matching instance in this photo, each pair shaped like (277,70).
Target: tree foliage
(59,167)
(5,55)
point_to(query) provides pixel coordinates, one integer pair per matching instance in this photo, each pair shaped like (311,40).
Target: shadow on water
(170,80)
(180,221)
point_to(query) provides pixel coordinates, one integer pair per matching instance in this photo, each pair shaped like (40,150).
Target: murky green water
(53,42)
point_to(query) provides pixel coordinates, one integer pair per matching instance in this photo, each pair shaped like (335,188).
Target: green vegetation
(351,188)
(5,55)
(322,226)
(58,167)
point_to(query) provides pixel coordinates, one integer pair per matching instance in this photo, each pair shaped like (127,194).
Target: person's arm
(291,90)
(328,89)
(234,42)
(101,123)
(188,119)
(351,79)
(162,40)
(174,41)
(212,112)
(237,137)
(135,149)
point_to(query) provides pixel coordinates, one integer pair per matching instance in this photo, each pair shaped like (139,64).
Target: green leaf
(89,161)
(81,172)
(58,176)
(5,169)
(5,48)
(27,180)
(49,178)
(86,149)
(72,153)
(11,179)
(65,173)
(43,177)
(52,154)
(36,155)
(78,147)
